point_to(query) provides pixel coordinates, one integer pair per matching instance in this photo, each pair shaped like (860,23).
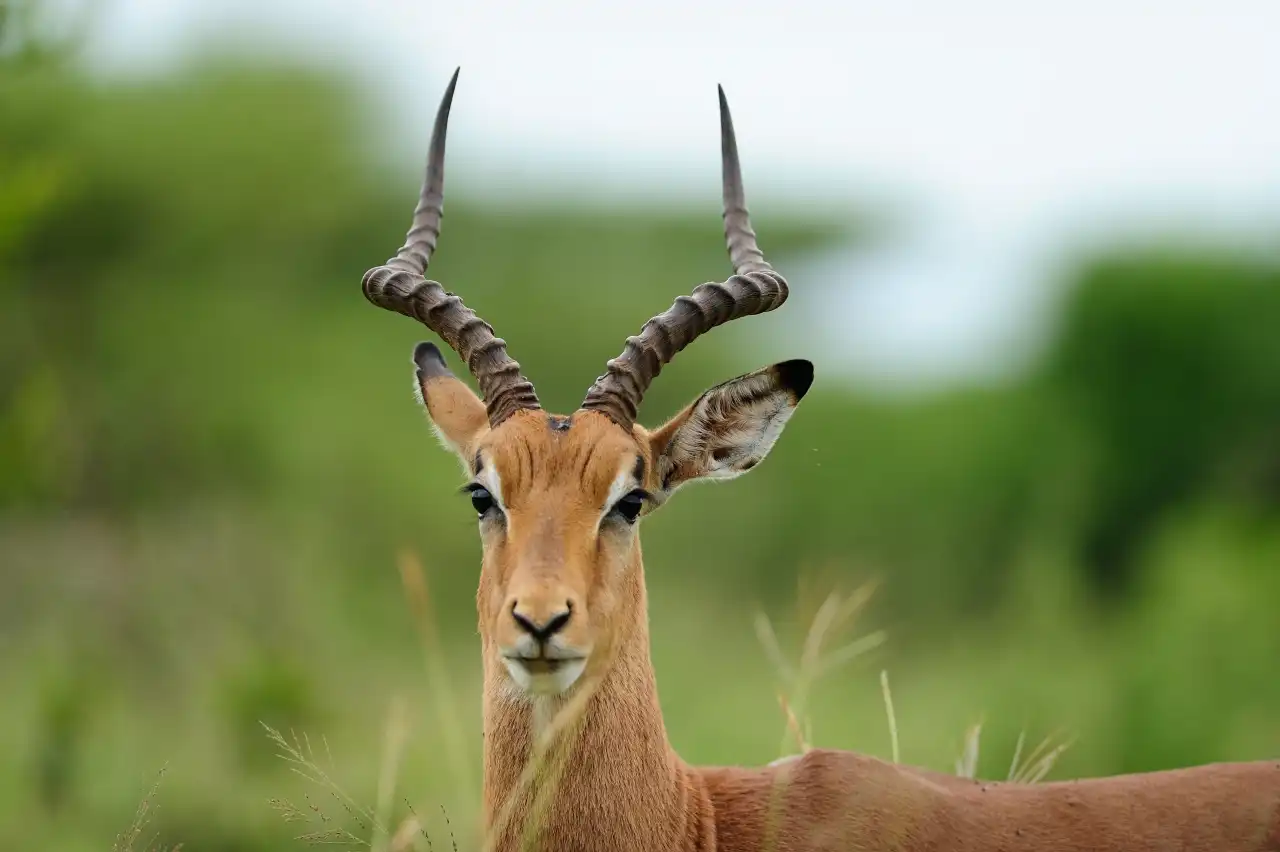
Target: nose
(544,627)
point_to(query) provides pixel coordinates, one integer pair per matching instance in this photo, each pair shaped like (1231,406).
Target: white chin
(546,683)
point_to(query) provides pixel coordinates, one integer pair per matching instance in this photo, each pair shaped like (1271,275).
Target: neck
(591,770)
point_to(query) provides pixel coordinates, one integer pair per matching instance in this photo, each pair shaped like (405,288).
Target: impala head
(559,498)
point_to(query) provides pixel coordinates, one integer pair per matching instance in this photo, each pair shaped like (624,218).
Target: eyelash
(481,500)
(635,498)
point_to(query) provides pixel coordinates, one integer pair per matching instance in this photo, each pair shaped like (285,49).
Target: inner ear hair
(731,427)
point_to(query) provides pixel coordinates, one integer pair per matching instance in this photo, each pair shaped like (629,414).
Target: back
(835,800)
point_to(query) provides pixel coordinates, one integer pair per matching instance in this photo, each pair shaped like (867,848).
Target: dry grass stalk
(1040,762)
(550,755)
(793,724)
(554,744)
(893,717)
(414,580)
(397,733)
(127,840)
(967,762)
(834,612)
(814,663)
(299,753)
(1033,770)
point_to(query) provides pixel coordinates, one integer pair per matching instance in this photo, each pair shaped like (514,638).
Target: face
(559,500)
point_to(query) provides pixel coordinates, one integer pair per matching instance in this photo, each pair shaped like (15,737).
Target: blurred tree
(1170,362)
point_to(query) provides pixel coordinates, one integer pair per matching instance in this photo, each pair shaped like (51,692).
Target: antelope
(563,615)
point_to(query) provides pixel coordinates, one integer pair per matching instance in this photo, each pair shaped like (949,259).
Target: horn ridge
(754,288)
(400,285)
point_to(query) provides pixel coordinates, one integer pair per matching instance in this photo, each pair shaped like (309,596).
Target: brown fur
(620,786)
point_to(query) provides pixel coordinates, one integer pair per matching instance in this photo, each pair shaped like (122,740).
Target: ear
(730,428)
(457,414)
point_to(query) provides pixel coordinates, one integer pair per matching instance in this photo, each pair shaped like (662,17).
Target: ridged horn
(754,288)
(401,285)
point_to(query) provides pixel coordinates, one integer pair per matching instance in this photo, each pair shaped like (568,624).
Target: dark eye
(481,499)
(628,508)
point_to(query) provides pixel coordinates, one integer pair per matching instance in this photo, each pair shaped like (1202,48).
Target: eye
(628,508)
(481,499)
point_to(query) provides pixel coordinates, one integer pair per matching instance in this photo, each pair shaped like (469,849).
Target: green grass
(347,823)
(166,665)
(350,682)
(131,837)
(403,809)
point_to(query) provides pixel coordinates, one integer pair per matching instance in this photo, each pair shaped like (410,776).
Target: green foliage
(271,691)
(59,734)
(1212,574)
(1170,364)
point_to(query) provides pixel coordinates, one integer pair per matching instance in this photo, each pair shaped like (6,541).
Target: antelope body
(564,622)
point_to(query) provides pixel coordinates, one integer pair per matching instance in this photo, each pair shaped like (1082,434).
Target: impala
(563,615)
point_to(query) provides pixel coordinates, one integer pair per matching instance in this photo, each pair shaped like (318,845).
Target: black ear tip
(428,352)
(429,361)
(796,376)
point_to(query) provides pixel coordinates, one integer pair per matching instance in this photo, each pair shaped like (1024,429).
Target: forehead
(537,451)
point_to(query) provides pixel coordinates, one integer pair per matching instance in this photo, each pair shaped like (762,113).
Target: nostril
(525,624)
(556,624)
(541,632)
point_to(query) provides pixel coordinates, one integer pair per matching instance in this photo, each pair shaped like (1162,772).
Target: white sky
(999,133)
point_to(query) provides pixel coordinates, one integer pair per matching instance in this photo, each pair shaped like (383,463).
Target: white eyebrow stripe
(488,477)
(623,483)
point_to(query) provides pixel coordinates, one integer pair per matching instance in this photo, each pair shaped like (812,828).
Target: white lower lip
(555,680)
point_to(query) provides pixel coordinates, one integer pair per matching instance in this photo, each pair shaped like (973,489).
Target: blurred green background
(210,458)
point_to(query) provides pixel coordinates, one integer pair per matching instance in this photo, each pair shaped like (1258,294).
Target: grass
(128,840)
(353,825)
(345,822)
(892,716)
(377,831)
(335,818)
(323,812)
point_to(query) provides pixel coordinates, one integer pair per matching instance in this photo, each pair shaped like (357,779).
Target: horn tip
(726,122)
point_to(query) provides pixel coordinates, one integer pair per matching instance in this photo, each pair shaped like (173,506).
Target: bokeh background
(1033,254)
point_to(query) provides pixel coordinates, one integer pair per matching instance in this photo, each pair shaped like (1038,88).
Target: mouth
(542,665)
(544,675)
